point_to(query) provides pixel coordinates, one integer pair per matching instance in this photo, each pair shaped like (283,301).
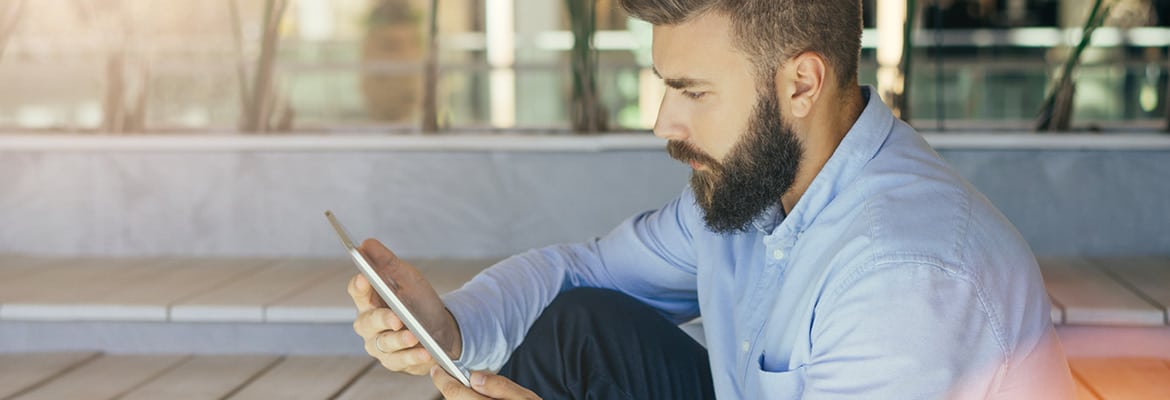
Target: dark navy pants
(601,344)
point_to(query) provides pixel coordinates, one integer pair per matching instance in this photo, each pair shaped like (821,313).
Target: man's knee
(588,305)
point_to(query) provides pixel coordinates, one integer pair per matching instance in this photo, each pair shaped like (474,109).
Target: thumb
(377,253)
(387,265)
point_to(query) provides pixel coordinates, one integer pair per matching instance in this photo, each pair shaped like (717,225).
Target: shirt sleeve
(648,256)
(907,331)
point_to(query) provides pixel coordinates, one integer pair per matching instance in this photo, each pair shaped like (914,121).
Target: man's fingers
(414,361)
(451,388)
(363,294)
(498,387)
(392,341)
(371,322)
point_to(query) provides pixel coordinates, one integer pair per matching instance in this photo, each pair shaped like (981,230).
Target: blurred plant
(430,115)
(127,67)
(586,113)
(8,21)
(259,98)
(393,37)
(1056,113)
(902,100)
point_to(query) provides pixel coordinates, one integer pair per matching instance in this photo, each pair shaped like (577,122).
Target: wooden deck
(84,376)
(193,290)
(1130,294)
(1119,292)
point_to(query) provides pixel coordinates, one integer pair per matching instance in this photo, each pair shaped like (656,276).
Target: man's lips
(696,165)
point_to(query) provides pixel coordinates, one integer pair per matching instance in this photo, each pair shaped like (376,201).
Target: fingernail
(478,379)
(408,337)
(433,369)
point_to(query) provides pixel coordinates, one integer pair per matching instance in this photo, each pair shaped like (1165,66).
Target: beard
(755,173)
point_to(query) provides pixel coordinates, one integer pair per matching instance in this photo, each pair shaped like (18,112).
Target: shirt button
(778,254)
(746,346)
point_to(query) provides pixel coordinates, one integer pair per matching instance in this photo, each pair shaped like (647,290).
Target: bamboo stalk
(262,96)
(587,114)
(906,66)
(114,106)
(246,106)
(430,117)
(1057,112)
(8,23)
(135,117)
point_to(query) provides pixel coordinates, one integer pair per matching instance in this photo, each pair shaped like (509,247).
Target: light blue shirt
(891,278)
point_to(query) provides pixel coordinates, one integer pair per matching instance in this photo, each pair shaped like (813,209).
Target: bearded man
(831,253)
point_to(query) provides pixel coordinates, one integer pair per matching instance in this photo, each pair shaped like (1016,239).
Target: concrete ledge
(517,142)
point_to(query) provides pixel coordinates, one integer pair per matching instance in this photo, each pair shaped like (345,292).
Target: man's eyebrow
(679,83)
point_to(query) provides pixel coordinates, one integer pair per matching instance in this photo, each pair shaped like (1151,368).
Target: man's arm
(648,257)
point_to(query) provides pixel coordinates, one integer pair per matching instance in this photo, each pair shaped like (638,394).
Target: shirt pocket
(781,385)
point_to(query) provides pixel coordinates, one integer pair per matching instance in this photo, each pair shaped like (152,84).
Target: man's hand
(485,385)
(385,337)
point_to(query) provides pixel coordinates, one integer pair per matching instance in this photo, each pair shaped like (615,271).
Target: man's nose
(670,125)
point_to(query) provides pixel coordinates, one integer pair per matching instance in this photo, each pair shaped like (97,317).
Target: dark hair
(771,31)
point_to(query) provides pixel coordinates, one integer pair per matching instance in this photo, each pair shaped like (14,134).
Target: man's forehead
(695,50)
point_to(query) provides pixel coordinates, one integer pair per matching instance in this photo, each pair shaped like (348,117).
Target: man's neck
(826,129)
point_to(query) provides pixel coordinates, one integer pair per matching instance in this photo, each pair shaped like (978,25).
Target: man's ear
(804,75)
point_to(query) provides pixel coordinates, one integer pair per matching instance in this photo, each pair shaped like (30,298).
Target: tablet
(386,287)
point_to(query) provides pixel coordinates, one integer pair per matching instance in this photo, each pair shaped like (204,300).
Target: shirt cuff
(473,328)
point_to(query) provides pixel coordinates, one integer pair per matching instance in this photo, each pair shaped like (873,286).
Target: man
(830,252)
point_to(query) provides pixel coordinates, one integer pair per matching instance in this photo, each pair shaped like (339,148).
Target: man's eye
(694,95)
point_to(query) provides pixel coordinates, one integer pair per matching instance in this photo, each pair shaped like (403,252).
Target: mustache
(686,153)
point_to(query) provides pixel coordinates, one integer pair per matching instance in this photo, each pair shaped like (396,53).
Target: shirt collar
(858,146)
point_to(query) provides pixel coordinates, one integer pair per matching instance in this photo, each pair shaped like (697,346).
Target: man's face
(719,121)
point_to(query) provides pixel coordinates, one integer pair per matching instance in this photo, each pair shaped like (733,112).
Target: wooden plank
(104,378)
(324,301)
(19,372)
(204,377)
(306,377)
(379,383)
(1089,296)
(1148,275)
(244,299)
(64,277)
(1125,378)
(13,267)
(70,281)
(140,293)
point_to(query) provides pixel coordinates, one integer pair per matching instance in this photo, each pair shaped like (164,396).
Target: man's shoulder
(910,204)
